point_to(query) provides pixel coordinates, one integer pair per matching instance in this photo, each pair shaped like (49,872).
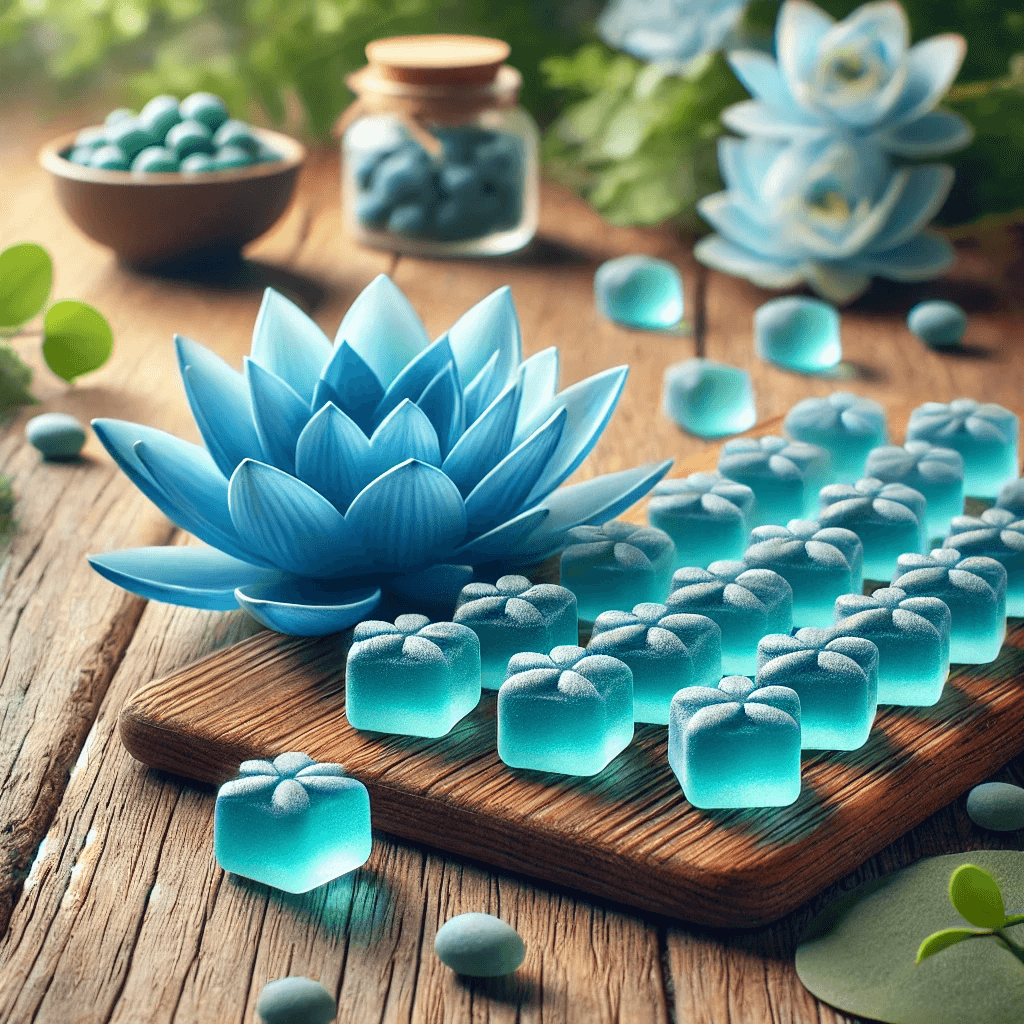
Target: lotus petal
(936,133)
(279,413)
(744,165)
(301,607)
(441,401)
(839,283)
(488,327)
(503,541)
(347,381)
(406,433)
(289,344)
(925,192)
(799,30)
(932,63)
(383,328)
(918,259)
(194,577)
(436,587)
(760,75)
(482,388)
(751,117)
(219,399)
(538,379)
(299,530)
(485,443)
(734,221)
(721,254)
(333,456)
(415,377)
(407,515)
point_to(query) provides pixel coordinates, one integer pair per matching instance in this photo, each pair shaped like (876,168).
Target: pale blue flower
(859,78)
(332,472)
(828,212)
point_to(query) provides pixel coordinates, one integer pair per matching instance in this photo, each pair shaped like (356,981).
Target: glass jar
(437,158)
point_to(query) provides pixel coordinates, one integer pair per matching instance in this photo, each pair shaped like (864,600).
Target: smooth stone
(708,399)
(998,806)
(236,133)
(56,435)
(130,136)
(479,946)
(109,158)
(639,291)
(939,324)
(296,1000)
(205,108)
(197,163)
(188,137)
(227,158)
(155,159)
(798,333)
(160,115)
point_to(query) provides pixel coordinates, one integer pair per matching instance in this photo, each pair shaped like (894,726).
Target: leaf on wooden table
(76,339)
(26,276)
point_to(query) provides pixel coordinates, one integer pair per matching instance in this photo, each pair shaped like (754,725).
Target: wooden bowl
(149,219)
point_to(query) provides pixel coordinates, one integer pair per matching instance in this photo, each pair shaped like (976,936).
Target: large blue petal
(799,29)
(935,134)
(301,607)
(721,254)
(436,587)
(925,192)
(489,326)
(409,517)
(761,77)
(744,164)
(538,380)
(932,65)
(348,382)
(332,456)
(415,377)
(734,222)
(751,117)
(441,401)
(289,344)
(219,399)
(921,258)
(296,528)
(504,490)
(480,391)
(503,541)
(383,328)
(195,577)
(485,443)
(279,413)
(838,282)
(406,433)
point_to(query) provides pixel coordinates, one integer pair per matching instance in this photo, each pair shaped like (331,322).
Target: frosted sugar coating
(664,650)
(639,291)
(984,434)
(708,399)
(888,519)
(746,603)
(568,711)
(785,476)
(818,562)
(413,677)
(845,425)
(707,516)
(912,637)
(515,615)
(736,745)
(798,333)
(617,565)
(937,473)
(973,588)
(291,823)
(1011,496)
(836,679)
(997,533)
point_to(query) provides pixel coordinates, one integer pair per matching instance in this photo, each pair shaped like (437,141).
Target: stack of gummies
(472,187)
(193,136)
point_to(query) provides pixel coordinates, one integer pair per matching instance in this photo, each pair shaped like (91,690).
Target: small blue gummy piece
(204,107)
(938,323)
(109,158)
(188,137)
(159,116)
(130,136)
(295,1000)
(402,175)
(845,425)
(639,291)
(798,333)
(236,133)
(1011,497)
(479,946)
(708,399)
(55,435)
(81,155)
(997,533)
(91,138)
(156,159)
(408,219)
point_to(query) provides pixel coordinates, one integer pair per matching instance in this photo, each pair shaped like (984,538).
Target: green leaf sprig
(976,896)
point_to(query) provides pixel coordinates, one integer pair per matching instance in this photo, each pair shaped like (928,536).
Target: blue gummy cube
(798,333)
(746,603)
(836,678)
(846,426)
(616,565)
(512,616)
(973,588)
(708,399)
(888,518)
(639,291)
(413,678)
(664,650)
(291,823)
(997,533)
(785,476)
(568,711)
(1011,496)
(819,563)
(707,517)
(736,745)
(937,323)
(912,637)
(937,473)
(985,435)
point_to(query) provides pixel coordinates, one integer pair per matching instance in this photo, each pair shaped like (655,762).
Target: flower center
(829,205)
(849,72)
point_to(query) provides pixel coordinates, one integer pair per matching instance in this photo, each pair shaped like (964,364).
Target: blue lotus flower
(332,472)
(673,32)
(828,212)
(857,78)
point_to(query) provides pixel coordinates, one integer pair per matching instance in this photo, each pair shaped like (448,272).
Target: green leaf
(939,941)
(26,276)
(976,896)
(76,339)
(15,378)
(1013,919)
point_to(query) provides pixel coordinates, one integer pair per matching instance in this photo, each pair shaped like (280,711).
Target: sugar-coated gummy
(229,157)
(938,323)
(109,158)
(639,291)
(130,136)
(997,806)
(160,115)
(197,163)
(295,1000)
(1011,496)
(188,137)
(204,107)
(798,333)
(55,435)
(708,399)
(479,946)
(236,133)
(119,114)
(845,425)
(92,137)
(997,533)
(156,159)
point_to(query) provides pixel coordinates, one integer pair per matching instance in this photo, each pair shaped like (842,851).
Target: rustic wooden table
(111,905)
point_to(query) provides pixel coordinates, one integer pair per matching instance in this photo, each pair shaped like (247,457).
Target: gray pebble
(56,434)
(479,945)
(295,1000)
(997,806)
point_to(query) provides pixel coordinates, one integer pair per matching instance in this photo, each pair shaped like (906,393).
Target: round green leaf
(943,940)
(976,897)
(76,339)
(26,276)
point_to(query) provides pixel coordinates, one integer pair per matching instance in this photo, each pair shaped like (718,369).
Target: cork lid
(438,60)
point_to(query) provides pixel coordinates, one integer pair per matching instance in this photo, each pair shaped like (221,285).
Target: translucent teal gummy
(997,533)
(569,712)
(664,650)
(798,333)
(845,425)
(639,291)
(939,324)
(413,678)
(818,563)
(888,518)
(937,473)
(984,434)
(512,616)
(975,591)
(707,517)
(291,823)
(746,603)
(616,566)
(736,745)
(836,678)
(785,476)
(708,399)
(912,637)
(1011,496)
